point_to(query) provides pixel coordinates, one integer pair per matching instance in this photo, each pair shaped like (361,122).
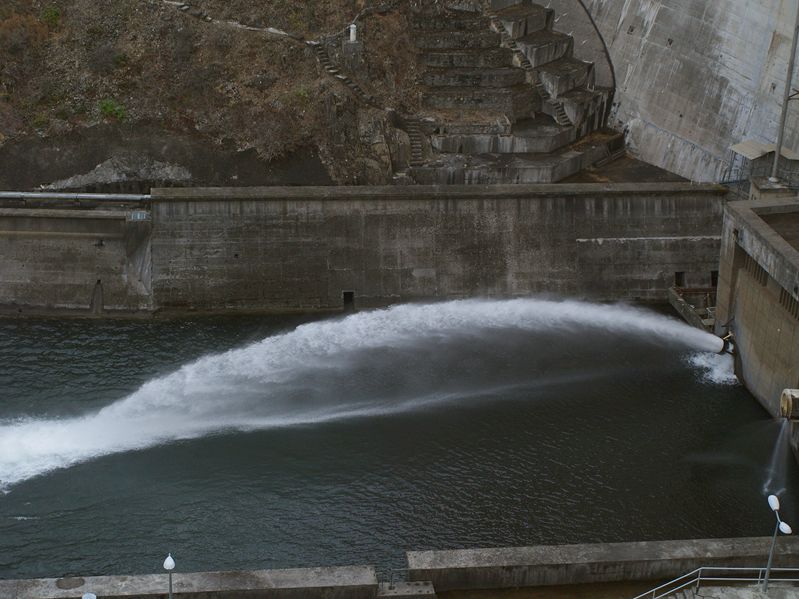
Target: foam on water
(717,369)
(269,383)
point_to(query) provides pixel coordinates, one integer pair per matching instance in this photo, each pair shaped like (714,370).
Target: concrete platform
(347,582)
(565,74)
(514,169)
(523,19)
(625,169)
(407,590)
(473,76)
(467,57)
(538,135)
(457,40)
(516,102)
(545,46)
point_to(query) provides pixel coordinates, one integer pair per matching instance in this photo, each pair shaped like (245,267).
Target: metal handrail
(696,577)
(41,195)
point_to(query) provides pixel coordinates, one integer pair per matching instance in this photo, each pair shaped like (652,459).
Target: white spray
(229,391)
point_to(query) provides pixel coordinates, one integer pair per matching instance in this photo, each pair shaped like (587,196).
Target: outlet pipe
(789,404)
(728,345)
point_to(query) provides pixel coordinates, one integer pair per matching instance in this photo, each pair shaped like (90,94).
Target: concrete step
(517,102)
(457,40)
(480,57)
(493,169)
(474,77)
(542,47)
(521,20)
(407,590)
(451,21)
(564,75)
(582,105)
(503,4)
(466,121)
(541,135)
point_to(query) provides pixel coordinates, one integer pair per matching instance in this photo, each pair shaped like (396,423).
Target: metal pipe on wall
(786,99)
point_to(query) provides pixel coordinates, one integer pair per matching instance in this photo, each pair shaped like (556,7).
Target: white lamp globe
(785,529)
(773,502)
(169,563)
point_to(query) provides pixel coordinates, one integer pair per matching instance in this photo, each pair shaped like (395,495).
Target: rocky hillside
(124,93)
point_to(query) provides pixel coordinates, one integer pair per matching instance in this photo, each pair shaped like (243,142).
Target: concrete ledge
(427,192)
(350,582)
(577,564)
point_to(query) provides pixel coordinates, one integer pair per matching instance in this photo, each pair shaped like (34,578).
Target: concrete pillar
(352,51)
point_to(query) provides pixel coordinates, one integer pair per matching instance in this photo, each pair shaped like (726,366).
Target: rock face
(222,93)
(146,93)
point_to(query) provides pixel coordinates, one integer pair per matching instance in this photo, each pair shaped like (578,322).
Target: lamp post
(169,565)
(774,504)
(781,132)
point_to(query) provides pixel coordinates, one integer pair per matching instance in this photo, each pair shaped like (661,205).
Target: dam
(277,292)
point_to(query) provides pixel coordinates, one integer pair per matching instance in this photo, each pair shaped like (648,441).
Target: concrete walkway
(774,592)
(619,591)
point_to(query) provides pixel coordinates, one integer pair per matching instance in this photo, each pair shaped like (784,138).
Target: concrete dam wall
(95,261)
(304,248)
(319,248)
(694,78)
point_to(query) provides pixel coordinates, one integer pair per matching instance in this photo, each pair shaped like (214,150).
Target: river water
(257,442)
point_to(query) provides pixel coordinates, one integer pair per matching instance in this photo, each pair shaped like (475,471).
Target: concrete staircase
(503,98)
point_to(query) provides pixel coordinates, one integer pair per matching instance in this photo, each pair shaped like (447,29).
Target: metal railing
(391,576)
(725,576)
(46,195)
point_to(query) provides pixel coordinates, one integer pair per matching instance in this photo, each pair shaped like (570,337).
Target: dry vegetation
(67,64)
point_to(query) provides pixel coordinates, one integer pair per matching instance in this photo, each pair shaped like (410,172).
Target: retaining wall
(278,248)
(347,582)
(510,567)
(758,288)
(83,261)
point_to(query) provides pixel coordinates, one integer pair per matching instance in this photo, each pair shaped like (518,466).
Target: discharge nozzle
(789,404)
(728,346)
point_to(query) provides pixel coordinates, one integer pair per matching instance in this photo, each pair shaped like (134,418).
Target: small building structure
(758,295)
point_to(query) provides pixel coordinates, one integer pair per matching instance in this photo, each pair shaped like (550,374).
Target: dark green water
(351,441)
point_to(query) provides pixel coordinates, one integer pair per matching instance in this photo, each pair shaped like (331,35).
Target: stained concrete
(758,285)
(276,249)
(346,582)
(695,77)
(89,262)
(510,567)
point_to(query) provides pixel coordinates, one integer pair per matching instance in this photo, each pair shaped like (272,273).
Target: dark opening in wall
(348,299)
(679,278)
(714,278)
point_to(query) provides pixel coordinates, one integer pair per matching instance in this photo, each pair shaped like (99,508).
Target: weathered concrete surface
(84,261)
(758,296)
(695,77)
(300,248)
(510,567)
(573,17)
(347,582)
